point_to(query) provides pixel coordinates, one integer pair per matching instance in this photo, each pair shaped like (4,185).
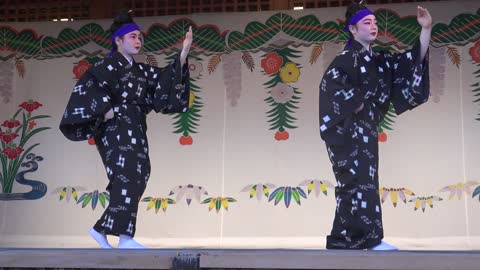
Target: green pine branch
(388,120)
(281,115)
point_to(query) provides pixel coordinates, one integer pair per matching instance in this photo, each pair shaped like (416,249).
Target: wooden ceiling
(48,10)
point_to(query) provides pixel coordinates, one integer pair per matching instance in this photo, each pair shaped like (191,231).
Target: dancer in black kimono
(355,94)
(110,103)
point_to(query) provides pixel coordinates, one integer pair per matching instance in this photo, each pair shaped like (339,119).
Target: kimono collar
(122,60)
(358,47)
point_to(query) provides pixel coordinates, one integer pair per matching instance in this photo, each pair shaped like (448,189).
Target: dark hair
(121,19)
(352,9)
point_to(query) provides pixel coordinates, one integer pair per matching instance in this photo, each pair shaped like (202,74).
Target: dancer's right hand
(359,108)
(108,115)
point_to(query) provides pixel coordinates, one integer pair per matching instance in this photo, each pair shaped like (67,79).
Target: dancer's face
(365,31)
(130,43)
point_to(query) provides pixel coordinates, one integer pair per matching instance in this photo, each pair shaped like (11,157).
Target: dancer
(110,103)
(355,94)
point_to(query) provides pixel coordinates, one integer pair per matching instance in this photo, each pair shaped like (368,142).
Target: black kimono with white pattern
(377,80)
(132,91)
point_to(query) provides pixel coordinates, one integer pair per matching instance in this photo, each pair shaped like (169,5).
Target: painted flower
(7,138)
(287,194)
(289,73)
(459,188)
(218,203)
(271,63)
(395,193)
(282,135)
(12,153)
(31,125)
(68,192)
(282,93)
(382,137)
(30,106)
(421,202)
(475,52)
(195,67)
(91,141)
(81,68)
(93,198)
(258,190)
(10,124)
(189,191)
(186,140)
(318,186)
(158,203)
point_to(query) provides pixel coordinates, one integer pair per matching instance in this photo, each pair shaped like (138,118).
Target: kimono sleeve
(339,98)
(171,88)
(88,103)
(410,79)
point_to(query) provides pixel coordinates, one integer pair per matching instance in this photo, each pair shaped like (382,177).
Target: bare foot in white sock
(128,242)
(100,238)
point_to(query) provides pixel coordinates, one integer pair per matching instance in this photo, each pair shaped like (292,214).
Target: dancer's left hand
(423,17)
(187,42)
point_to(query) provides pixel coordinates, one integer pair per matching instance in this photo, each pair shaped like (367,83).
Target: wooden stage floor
(238,259)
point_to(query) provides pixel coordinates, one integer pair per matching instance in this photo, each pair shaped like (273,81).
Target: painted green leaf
(94,199)
(218,204)
(107,196)
(160,37)
(158,203)
(388,120)
(102,200)
(406,29)
(82,198)
(296,196)
(69,40)
(25,42)
(287,196)
(476,192)
(301,192)
(87,200)
(461,29)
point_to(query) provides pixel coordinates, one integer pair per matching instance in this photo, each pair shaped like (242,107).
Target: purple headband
(125,29)
(356,18)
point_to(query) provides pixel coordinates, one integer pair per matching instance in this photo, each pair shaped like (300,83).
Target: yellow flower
(191,99)
(289,73)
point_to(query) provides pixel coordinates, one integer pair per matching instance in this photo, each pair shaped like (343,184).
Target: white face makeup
(365,31)
(130,43)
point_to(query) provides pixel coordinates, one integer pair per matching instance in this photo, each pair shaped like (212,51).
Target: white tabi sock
(128,242)
(100,238)
(384,246)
